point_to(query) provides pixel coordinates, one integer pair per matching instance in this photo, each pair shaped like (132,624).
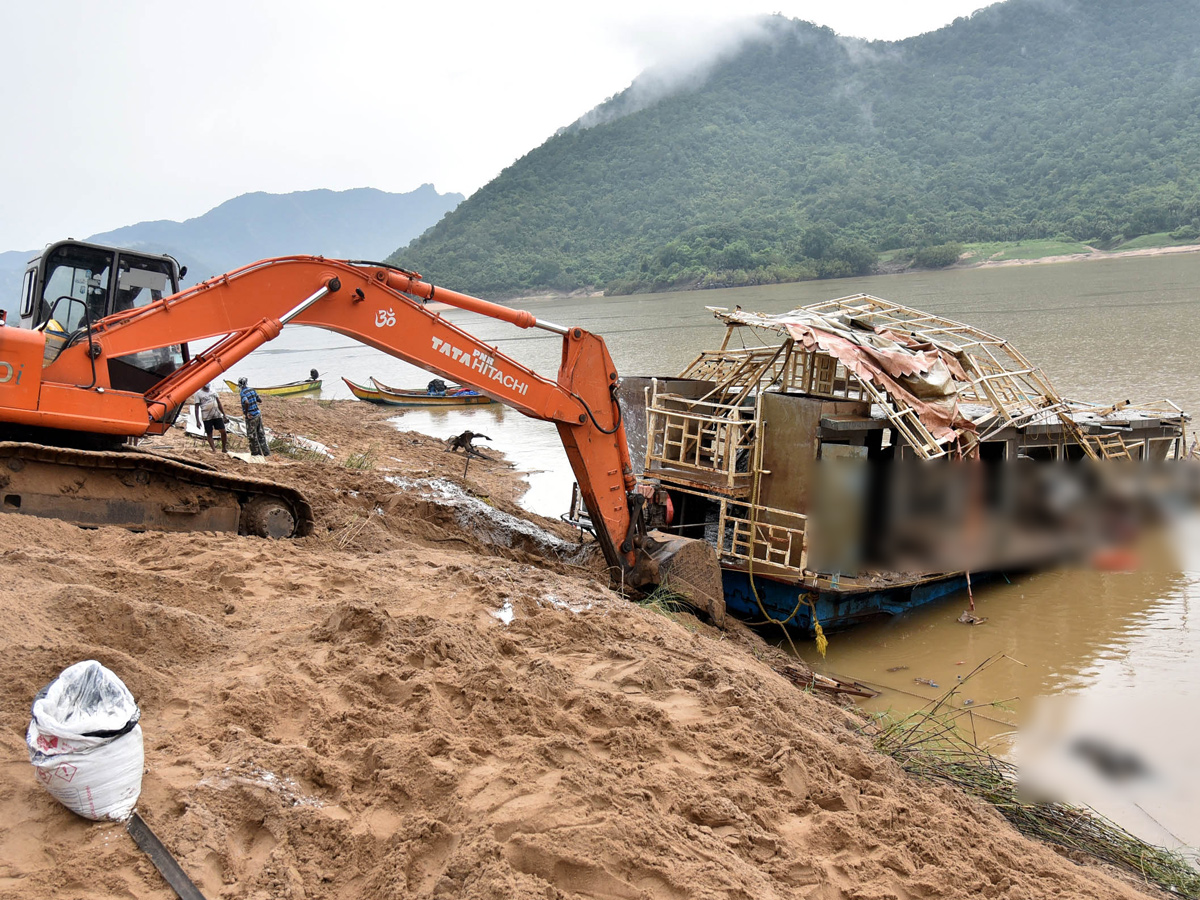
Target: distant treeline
(807,154)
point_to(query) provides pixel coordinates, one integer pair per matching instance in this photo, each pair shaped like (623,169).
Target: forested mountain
(805,152)
(355,224)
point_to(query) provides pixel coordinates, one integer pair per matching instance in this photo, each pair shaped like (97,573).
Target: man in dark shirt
(255,433)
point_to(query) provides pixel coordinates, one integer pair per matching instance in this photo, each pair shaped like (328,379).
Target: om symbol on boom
(385,318)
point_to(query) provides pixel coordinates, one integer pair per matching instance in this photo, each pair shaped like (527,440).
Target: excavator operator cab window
(27,292)
(141,281)
(76,286)
(84,283)
(78,283)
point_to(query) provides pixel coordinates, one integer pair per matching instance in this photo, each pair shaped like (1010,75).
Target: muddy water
(1124,647)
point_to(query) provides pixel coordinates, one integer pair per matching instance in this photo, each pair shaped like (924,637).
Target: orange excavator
(103,356)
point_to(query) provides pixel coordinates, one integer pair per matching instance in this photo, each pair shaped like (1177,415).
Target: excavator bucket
(689,567)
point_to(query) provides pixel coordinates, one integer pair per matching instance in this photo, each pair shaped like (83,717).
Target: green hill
(804,153)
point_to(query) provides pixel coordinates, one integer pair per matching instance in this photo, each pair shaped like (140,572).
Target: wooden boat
(281,390)
(410,398)
(371,395)
(389,396)
(868,397)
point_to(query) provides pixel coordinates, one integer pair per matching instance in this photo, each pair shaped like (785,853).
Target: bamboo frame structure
(709,444)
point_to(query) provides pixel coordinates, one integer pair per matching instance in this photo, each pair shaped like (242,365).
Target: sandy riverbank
(904,268)
(1091,255)
(434,697)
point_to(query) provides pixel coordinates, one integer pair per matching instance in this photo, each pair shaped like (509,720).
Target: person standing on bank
(211,415)
(255,433)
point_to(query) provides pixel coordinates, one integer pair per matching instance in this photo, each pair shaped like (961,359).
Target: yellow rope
(818,632)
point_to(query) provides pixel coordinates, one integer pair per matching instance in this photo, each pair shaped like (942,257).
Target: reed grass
(668,603)
(361,461)
(286,446)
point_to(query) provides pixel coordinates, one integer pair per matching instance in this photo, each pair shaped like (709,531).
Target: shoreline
(1093,255)
(1076,257)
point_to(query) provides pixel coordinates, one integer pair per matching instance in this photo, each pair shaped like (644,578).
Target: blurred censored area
(951,516)
(1105,750)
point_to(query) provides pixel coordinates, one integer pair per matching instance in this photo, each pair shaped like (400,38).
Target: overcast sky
(121,112)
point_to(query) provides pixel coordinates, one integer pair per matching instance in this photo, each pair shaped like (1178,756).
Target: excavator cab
(73,285)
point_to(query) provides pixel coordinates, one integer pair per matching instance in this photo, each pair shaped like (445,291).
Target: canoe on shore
(281,390)
(453,395)
(370,394)
(398,397)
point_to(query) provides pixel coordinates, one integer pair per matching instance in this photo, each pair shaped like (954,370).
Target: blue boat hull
(835,609)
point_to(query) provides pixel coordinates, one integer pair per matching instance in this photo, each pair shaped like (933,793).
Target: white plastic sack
(85,742)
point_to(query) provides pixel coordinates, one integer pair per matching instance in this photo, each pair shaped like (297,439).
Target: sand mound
(424,699)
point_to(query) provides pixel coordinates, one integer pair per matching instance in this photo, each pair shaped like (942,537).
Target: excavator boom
(380,306)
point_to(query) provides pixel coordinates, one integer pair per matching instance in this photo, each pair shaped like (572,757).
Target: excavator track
(144,492)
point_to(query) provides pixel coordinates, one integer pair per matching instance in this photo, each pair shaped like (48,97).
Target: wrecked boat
(868,458)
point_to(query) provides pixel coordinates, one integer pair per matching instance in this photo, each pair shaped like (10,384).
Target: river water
(1123,648)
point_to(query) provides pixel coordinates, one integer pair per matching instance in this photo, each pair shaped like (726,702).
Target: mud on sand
(434,697)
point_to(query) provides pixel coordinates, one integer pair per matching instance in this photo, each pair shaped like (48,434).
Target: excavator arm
(385,308)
